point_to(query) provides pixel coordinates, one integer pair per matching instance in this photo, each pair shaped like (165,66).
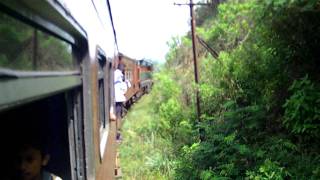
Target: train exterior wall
(86,91)
(145,76)
(132,75)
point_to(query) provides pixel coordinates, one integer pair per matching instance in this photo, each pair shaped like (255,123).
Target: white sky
(144,26)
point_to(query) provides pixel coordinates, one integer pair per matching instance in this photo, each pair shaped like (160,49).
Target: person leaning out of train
(120,88)
(112,115)
(30,160)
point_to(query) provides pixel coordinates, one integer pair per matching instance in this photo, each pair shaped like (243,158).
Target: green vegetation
(260,98)
(143,151)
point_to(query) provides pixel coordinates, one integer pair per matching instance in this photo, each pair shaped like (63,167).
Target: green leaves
(269,170)
(302,109)
(256,112)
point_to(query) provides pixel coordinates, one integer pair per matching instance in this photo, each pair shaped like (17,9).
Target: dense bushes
(174,116)
(259,99)
(302,112)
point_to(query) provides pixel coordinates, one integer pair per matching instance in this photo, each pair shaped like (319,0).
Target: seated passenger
(30,159)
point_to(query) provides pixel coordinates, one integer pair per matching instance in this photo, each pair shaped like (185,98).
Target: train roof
(126,57)
(145,62)
(141,62)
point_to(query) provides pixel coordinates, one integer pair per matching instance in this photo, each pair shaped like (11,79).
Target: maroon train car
(139,74)
(145,69)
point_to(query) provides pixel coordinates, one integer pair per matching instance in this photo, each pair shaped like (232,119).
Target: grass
(144,153)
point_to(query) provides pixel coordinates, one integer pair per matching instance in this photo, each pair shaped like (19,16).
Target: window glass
(145,75)
(109,81)
(22,47)
(128,75)
(53,53)
(101,104)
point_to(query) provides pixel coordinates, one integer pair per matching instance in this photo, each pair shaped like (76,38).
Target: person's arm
(113,117)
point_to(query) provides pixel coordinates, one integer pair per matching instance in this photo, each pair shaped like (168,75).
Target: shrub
(302,109)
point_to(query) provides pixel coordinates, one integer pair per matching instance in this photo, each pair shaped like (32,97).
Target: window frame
(104,70)
(76,133)
(21,87)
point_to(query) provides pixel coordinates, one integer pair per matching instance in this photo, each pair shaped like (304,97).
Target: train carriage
(131,75)
(139,74)
(145,75)
(56,81)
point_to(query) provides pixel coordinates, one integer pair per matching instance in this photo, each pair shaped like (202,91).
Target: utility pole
(195,62)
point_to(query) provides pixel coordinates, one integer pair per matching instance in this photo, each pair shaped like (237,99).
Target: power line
(213,52)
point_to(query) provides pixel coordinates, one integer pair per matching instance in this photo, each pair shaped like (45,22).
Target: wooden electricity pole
(195,62)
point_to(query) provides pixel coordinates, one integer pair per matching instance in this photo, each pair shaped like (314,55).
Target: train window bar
(8,73)
(22,90)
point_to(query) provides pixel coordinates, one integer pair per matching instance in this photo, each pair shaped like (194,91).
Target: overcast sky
(144,26)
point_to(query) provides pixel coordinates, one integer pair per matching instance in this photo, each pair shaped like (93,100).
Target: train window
(53,53)
(23,47)
(41,125)
(102,105)
(103,75)
(128,75)
(109,92)
(145,75)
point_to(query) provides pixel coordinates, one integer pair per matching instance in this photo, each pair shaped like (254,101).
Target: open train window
(102,108)
(24,47)
(103,99)
(128,74)
(56,125)
(42,123)
(101,87)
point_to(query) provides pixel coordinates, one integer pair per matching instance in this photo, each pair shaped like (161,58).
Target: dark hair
(35,140)
(121,66)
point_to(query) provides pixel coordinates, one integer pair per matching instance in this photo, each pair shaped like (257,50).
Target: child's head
(30,157)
